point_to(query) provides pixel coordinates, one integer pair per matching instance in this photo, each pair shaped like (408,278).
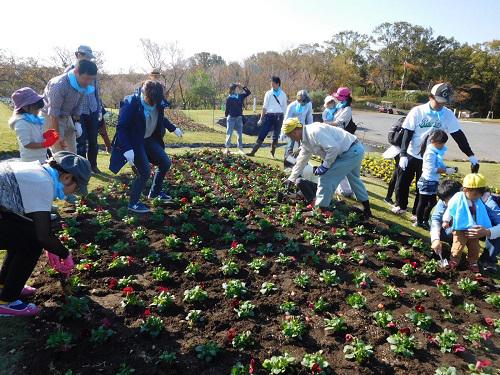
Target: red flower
(184,200)
(147,313)
(315,369)
(363,284)
(130,260)
(457,348)
(235,303)
(327,214)
(486,335)
(391,325)
(432,340)
(202,285)
(64,225)
(439,282)
(414,264)
(419,308)
(114,255)
(234,244)
(405,331)
(128,290)
(251,368)
(231,334)
(482,364)
(112,283)
(489,321)
(163,289)
(310,305)
(87,266)
(349,337)
(406,260)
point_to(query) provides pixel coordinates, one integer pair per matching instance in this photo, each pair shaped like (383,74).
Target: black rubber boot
(273,147)
(255,148)
(367,212)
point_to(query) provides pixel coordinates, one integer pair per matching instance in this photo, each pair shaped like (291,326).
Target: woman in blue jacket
(139,142)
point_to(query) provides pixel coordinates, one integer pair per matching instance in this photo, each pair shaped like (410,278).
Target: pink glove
(64,266)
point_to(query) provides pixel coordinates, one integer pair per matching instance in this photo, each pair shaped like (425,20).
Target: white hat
(328,99)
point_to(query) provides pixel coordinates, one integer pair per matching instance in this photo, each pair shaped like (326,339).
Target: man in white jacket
(341,153)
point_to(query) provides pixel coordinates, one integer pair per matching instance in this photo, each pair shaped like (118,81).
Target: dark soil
(245,189)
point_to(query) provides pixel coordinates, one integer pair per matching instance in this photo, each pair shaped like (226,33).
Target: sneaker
(27,290)
(398,211)
(389,202)
(139,208)
(490,267)
(241,151)
(163,196)
(474,268)
(53,217)
(18,308)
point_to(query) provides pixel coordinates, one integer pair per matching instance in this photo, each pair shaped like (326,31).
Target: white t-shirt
(271,104)
(151,123)
(27,133)
(35,185)
(423,120)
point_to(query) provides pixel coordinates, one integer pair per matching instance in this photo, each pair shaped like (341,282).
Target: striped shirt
(61,99)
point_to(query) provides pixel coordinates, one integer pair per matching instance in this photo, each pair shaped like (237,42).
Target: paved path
(483,138)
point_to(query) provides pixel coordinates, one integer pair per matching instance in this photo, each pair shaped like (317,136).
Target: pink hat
(342,93)
(24,97)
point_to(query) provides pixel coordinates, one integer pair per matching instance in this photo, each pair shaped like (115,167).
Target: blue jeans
(151,151)
(271,121)
(90,126)
(234,123)
(347,165)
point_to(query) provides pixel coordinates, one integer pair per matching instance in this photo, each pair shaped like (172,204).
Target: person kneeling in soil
(139,142)
(446,190)
(27,191)
(341,153)
(465,210)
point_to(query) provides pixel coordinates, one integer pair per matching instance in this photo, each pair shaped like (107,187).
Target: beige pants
(67,133)
(460,241)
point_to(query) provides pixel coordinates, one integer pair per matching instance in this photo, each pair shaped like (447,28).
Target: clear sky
(233,29)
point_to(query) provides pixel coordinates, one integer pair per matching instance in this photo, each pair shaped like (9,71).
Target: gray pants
(234,123)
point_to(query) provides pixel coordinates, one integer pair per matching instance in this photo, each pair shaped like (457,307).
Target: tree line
(395,57)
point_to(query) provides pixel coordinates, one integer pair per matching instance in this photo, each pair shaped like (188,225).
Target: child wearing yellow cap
(466,210)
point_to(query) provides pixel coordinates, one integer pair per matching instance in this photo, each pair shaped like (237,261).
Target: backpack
(395,135)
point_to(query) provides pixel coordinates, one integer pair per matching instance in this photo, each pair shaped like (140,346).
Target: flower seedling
(160,274)
(257,265)
(153,325)
(195,295)
(361,280)
(302,280)
(192,269)
(245,309)
(420,318)
(356,300)
(293,327)
(194,317)
(268,288)
(59,341)
(329,277)
(101,335)
(243,341)
(383,319)
(289,307)
(277,365)
(234,289)
(163,301)
(392,292)
(446,340)
(336,324)
(467,285)
(358,350)
(230,267)
(315,362)
(402,344)
(493,299)
(208,351)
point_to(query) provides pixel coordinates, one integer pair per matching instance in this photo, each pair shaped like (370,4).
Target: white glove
(78,129)
(259,123)
(178,132)
(282,137)
(403,162)
(129,155)
(451,170)
(473,160)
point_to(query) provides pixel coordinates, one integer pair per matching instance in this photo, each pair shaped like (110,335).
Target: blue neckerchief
(58,185)
(34,119)
(433,113)
(460,212)
(147,108)
(235,96)
(439,155)
(331,111)
(277,92)
(74,83)
(299,107)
